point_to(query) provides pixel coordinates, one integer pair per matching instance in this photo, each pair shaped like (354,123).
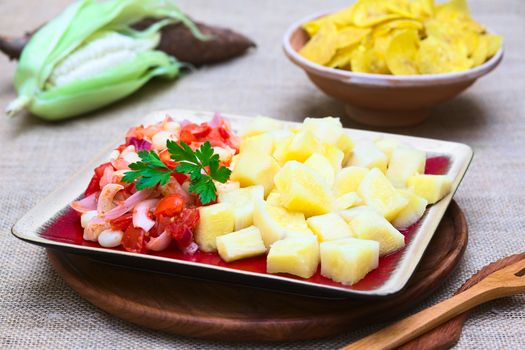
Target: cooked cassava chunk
(347,201)
(367,223)
(328,227)
(334,155)
(322,166)
(261,125)
(378,192)
(252,168)
(405,162)
(366,154)
(349,179)
(348,260)
(242,201)
(430,187)
(274,198)
(412,212)
(387,145)
(261,144)
(298,147)
(241,244)
(303,190)
(295,255)
(276,222)
(215,220)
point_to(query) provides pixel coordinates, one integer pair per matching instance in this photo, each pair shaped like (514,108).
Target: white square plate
(50,213)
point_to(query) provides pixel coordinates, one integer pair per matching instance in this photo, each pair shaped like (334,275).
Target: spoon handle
(411,327)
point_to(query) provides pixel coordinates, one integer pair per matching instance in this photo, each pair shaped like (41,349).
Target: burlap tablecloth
(37,310)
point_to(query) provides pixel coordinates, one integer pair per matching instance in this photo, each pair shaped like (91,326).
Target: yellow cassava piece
(401,53)
(436,56)
(321,48)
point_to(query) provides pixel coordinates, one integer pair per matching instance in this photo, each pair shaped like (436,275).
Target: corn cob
(89,56)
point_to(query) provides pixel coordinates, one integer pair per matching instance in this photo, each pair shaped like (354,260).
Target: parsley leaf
(202,165)
(150,171)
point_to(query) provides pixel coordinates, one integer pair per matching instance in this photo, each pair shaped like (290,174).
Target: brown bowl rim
(381,79)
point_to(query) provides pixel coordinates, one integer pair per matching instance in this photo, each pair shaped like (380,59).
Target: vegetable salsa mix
(146,197)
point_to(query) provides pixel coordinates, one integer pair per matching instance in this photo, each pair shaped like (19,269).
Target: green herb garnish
(202,165)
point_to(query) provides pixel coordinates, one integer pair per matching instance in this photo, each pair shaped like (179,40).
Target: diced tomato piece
(170,205)
(180,177)
(200,204)
(181,228)
(99,171)
(187,137)
(160,226)
(121,147)
(133,239)
(170,163)
(200,131)
(190,216)
(166,159)
(122,223)
(225,134)
(94,185)
(197,131)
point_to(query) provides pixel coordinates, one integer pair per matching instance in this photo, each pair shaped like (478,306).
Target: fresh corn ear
(89,57)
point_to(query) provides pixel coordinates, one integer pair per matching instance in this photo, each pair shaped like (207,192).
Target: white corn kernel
(110,238)
(100,53)
(160,139)
(225,154)
(94,67)
(131,157)
(172,126)
(114,154)
(84,218)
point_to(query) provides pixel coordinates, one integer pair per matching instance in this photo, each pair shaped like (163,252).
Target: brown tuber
(176,40)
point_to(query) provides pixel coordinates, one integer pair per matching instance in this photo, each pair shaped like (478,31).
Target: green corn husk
(79,25)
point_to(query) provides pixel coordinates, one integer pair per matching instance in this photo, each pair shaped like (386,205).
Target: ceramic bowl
(378,99)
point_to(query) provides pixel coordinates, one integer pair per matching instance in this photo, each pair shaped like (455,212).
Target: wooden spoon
(447,335)
(505,282)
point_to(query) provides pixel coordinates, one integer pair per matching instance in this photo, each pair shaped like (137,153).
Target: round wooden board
(231,313)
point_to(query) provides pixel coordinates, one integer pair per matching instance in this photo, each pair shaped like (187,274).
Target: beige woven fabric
(37,310)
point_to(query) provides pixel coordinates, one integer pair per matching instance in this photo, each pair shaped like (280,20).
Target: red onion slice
(159,243)
(140,214)
(86,204)
(128,204)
